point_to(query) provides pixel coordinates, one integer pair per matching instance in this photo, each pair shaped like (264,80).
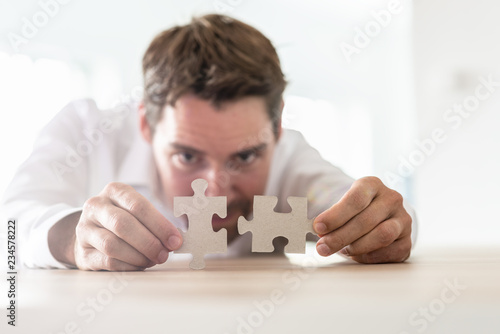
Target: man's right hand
(120,230)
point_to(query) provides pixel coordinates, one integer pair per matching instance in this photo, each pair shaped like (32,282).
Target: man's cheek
(175,183)
(181,185)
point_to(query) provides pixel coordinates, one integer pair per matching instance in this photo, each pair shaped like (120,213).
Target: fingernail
(163,256)
(320,228)
(174,242)
(323,250)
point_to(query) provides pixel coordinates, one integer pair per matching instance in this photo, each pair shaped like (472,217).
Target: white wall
(457,186)
(364,107)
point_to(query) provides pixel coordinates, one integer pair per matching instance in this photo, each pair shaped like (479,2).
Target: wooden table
(437,291)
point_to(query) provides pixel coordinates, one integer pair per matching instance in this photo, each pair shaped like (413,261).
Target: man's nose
(219,182)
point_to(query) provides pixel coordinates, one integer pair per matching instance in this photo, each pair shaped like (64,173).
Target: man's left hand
(369,224)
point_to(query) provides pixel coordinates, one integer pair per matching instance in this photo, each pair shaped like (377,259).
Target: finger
(357,227)
(144,211)
(355,200)
(398,251)
(90,237)
(130,230)
(127,227)
(381,236)
(112,246)
(95,260)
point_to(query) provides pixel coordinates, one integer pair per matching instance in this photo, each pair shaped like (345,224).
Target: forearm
(61,239)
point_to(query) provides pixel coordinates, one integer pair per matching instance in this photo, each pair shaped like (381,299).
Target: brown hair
(218,59)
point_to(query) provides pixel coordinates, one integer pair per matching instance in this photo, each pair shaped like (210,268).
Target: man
(97,191)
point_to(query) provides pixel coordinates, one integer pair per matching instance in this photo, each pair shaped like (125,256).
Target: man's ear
(146,131)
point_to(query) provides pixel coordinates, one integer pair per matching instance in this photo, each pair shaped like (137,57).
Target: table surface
(439,290)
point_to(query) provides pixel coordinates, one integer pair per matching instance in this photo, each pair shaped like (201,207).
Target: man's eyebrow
(256,148)
(181,147)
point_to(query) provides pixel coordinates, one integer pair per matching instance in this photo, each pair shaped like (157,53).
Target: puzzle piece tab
(200,238)
(268,224)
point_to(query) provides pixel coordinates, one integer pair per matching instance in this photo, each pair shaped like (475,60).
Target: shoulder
(87,112)
(81,117)
(290,139)
(292,145)
(291,136)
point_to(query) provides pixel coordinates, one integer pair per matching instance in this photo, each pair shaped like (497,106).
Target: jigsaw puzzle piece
(200,238)
(267,224)
(299,225)
(194,245)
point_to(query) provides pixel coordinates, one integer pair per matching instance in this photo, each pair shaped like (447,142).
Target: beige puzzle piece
(200,238)
(268,224)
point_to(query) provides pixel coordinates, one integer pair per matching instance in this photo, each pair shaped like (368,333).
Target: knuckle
(396,198)
(82,232)
(385,234)
(80,257)
(116,223)
(110,187)
(114,187)
(91,204)
(108,245)
(83,259)
(370,181)
(83,253)
(359,200)
(107,263)
(365,221)
(337,241)
(406,218)
(80,229)
(152,247)
(137,208)
(354,250)
(110,264)
(113,221)
(364,190)
(145,263)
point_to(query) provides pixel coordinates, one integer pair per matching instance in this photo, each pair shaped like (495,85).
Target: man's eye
(187,158)
(246,157)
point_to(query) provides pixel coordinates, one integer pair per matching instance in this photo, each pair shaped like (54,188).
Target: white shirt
(84,148)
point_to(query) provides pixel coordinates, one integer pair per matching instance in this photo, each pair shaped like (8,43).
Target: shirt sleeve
(48,186)
(35,245)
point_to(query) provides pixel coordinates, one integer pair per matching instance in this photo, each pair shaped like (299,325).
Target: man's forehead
(198,124)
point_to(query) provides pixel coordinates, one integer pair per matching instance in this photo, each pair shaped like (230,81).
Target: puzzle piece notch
(200,238)
(267,224)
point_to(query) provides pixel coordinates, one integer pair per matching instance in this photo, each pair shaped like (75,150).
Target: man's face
(230,147)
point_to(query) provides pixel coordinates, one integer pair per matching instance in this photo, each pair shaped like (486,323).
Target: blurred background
(404,90)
